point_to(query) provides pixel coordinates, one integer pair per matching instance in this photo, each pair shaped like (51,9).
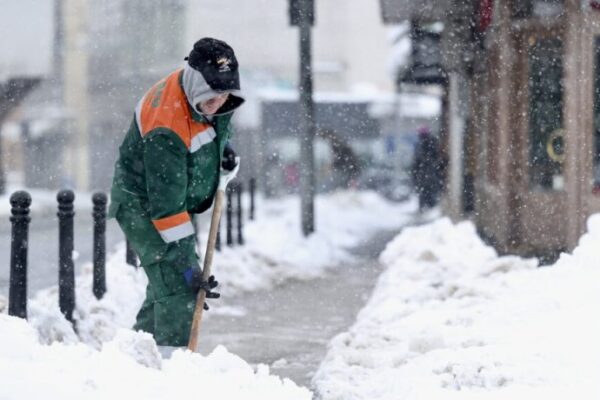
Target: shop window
(536,8)
(492,135)
(546,134)
(596,147)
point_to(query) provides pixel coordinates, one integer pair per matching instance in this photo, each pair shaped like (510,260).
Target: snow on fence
(20,209)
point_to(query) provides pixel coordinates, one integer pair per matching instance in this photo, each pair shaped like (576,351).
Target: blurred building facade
(131,45)
(376,132)
(105,56)
(521,116)
(108,53)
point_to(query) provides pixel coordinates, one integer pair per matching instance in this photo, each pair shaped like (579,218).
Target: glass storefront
(521,9)
(546,96)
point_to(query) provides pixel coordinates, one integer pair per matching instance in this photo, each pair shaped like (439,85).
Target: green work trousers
(167,311)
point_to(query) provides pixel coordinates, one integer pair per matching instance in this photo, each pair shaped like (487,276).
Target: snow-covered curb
(449,319)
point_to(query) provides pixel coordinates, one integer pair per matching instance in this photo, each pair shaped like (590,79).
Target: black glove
(229,155)
(193,277)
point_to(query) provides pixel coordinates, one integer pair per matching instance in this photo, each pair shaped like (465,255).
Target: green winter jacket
(160,172)
(165,168)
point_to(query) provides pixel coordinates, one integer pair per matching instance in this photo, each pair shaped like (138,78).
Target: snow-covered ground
(449,319)
(129,366)
(102,357)
(276,250)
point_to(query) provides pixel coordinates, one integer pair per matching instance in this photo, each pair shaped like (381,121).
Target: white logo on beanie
(223,63)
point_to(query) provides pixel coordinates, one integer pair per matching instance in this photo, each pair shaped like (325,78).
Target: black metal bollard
(17,297)
(130,256)
(66,267)
(229,216)
(99,214)
(239,189)
(252,193)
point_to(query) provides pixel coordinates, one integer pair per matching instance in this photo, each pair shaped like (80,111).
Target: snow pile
(97,321)
(275,248)
(47,358)
(127,367)
(450,319)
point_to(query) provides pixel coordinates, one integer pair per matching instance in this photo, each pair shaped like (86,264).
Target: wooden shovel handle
(210,250)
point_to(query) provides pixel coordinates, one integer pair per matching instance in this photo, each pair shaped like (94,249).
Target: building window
(546,134)
(536,8)
(596,147)
(493,131)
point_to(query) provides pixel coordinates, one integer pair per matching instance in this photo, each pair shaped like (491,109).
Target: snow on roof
(417,105)
(363,94)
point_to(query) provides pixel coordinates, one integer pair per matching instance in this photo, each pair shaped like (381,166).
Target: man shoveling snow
(169,168)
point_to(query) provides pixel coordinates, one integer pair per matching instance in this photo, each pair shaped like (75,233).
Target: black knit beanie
(216,62)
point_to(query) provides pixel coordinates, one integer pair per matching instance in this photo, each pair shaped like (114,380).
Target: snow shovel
(226,177)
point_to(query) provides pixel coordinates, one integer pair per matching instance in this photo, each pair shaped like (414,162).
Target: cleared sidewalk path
(289,326)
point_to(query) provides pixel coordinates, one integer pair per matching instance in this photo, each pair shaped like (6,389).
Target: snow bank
(46,358)
(450,319)
(127,367)
(97,321)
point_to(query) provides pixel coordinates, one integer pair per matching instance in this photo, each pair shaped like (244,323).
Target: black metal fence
(20,218)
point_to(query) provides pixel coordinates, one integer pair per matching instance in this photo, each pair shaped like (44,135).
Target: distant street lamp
(302,15)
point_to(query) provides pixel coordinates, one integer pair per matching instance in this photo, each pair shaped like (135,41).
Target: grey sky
(26,37)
